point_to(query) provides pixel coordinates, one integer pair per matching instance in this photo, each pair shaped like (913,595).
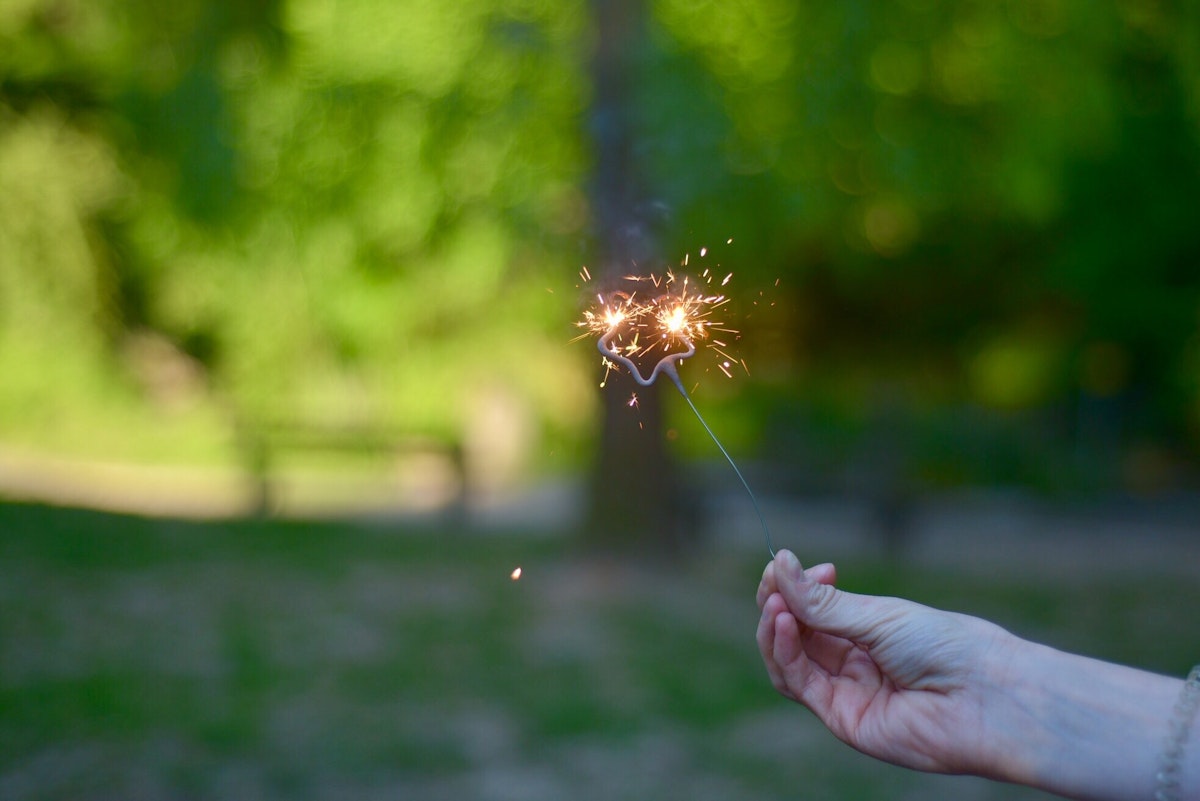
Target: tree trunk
(634,498)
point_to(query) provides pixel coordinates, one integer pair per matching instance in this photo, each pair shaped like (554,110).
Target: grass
(166,659)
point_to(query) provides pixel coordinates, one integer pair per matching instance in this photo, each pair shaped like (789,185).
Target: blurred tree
(634,497)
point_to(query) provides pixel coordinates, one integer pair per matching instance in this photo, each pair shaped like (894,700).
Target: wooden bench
(264,445)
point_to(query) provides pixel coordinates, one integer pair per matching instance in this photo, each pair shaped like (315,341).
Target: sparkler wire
(728,458)
(667,366)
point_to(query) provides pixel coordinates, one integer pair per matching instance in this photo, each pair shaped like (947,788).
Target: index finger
(767,586)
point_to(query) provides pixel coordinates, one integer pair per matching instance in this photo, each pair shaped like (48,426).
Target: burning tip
(516,574)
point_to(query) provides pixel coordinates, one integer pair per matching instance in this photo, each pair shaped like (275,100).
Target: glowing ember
(516,574)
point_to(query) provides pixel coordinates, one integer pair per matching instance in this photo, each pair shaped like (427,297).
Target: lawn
(160,659)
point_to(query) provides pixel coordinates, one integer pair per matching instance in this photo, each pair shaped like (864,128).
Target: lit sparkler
(670,320)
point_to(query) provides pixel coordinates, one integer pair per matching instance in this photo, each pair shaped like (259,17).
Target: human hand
(897,680)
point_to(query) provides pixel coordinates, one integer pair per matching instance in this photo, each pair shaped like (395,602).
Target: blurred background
(288,386)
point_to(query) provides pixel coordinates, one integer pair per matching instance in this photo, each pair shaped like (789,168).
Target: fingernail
(791,565)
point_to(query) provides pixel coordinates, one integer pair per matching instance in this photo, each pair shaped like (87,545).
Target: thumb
(823,607)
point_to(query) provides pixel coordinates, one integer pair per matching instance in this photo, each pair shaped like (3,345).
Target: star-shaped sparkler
(669,321)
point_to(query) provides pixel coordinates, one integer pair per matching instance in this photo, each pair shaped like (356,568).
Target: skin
(951,693)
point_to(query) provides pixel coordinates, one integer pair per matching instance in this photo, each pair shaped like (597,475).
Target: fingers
(784,637)
(788,646)
(774,612)
(824,573)
(796,659)
(766,587)
(818,604)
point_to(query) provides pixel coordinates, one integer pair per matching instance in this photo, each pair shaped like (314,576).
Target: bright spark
(675,320)
(516,574)
(658,315)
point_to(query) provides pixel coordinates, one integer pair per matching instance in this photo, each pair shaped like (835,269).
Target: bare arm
(1082,727)
(944,692)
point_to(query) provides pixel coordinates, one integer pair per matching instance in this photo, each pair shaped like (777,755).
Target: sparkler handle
(667,366)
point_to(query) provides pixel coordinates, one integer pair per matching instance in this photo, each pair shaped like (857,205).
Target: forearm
(1081,727)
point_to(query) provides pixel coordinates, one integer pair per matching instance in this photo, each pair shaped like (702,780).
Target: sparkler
(671,321)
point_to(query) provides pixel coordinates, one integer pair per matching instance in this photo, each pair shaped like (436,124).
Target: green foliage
(330,213)
(981,196)
(217,215)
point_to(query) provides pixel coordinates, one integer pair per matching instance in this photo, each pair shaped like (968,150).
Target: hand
(894,679)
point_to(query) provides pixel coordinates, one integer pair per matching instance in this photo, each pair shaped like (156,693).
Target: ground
(161,659)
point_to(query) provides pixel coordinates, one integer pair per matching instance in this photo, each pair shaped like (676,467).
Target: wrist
(1011,682)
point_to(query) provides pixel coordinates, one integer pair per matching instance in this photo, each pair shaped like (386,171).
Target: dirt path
(974,531)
